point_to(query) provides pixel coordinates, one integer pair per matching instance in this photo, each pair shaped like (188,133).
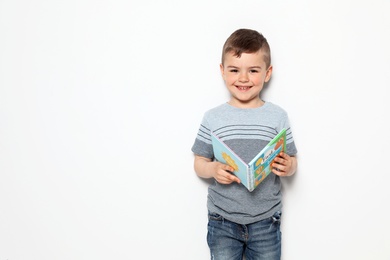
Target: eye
(233,70)
(254,71)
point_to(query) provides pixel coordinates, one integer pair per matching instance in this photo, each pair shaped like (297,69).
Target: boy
(243,223)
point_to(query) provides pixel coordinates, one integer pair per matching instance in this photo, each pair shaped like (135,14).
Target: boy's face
(245,77)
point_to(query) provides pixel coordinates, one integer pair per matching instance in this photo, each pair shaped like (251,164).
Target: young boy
(243,223)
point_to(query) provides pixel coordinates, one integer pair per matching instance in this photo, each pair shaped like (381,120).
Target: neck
(253,104)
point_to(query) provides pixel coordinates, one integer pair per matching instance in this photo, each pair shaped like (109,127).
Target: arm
(285,165)
(207,168)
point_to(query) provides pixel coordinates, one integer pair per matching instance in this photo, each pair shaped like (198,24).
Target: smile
(243,88)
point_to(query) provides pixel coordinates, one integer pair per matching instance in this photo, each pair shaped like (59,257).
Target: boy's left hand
(284,165)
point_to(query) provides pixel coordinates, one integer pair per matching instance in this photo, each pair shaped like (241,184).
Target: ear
(222,70)
(268,73)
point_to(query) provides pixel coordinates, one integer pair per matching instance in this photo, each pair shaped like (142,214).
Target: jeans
(231,241)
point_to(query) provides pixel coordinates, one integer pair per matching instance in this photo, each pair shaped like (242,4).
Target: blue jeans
(231,241)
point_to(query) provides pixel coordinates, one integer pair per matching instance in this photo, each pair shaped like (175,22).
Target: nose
(243,77)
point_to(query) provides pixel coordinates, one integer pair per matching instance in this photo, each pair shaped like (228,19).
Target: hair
(247,41)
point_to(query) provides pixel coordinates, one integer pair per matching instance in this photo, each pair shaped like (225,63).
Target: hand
(284,165)
(223,173)
(207,168)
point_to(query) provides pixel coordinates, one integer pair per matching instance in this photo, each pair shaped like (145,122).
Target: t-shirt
(246,132)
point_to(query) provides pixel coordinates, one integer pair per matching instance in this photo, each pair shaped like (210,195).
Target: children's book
(252,174)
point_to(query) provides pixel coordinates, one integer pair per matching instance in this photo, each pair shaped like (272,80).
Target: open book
(252,174)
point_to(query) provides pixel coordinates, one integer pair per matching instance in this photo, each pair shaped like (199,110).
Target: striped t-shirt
(246,132)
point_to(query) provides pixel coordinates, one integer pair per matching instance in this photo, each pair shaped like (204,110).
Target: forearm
(204,167)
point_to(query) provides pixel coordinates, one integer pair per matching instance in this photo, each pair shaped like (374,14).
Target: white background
(100,103)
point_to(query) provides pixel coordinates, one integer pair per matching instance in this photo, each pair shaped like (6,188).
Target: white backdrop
(100,102)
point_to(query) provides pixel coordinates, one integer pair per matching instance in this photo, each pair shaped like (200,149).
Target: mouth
(243,88)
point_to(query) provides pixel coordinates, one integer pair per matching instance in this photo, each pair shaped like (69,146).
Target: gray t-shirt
(246,132)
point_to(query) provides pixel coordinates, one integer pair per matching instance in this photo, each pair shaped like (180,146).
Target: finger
(232,178)
(279,161)
(228,168)
(284,155)
(223,179)
(235,179)
(278,172)
(279,167)
(228,178)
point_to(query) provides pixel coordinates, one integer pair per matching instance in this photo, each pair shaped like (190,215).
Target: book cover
(252,174)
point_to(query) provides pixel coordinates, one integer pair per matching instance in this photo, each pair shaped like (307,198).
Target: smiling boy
(243,223)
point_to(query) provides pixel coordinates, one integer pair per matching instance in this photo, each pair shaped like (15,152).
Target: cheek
(229,79)
(258,80)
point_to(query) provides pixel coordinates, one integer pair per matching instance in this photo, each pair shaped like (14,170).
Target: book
(252,174)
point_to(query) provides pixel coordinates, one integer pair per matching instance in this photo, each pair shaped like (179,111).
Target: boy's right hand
(207,168)
(223,173)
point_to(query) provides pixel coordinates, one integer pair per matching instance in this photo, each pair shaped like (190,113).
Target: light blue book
(252,174)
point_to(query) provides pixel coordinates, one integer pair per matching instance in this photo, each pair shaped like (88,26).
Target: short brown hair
(247,41)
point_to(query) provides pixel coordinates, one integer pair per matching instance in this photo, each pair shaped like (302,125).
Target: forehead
(246,59)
